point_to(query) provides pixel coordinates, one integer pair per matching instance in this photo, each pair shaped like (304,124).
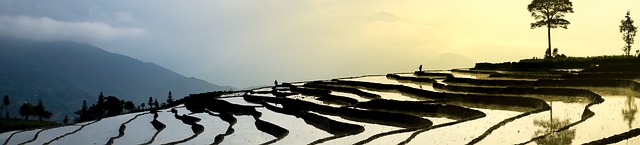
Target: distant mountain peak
(63,73)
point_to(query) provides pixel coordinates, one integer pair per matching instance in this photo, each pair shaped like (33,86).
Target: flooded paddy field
(430,107)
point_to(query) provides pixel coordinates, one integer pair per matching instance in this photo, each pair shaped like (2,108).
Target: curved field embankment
(122,128)
(272,129)
(14,133)
(521,88)
(336,128)
(633,85)
(159,126)
(325,95)
(414,79)
(528,87)
(189,120)
(432,75)
(331,126)
(69,133)
(227,117)
(514,103)
(421,109)
(616,138)
(376,117)
(345,89)
(460,114)
(524,88)
(523,104)
(34,137)
(209,102)
(586,114)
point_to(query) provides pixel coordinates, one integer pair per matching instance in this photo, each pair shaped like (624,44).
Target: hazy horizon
(245,43)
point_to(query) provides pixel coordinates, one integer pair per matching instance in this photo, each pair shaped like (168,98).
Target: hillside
(64,73)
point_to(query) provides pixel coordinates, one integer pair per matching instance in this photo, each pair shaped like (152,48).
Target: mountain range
(64,73)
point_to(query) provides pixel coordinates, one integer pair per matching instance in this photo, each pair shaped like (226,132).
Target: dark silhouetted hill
(64,73)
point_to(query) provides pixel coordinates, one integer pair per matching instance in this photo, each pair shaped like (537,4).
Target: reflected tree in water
(629,111)
(559,138)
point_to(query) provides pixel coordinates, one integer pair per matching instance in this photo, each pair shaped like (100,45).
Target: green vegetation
(26,110)
(105,107)
(39,111)
(112,106)
(9,124)
(549,13)
(628,32)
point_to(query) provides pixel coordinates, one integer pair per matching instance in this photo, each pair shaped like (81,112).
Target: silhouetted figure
(420,67)
(547,54)
(275,86)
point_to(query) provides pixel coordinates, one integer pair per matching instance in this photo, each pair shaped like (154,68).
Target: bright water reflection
(610,118)
(463,133)
(385,80)
(394,95)
(523,129)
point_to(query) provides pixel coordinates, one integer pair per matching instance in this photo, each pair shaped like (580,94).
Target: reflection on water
(385,80)
(548,126)
(629,111)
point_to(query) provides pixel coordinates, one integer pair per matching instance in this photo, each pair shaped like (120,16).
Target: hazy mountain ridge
(64,73)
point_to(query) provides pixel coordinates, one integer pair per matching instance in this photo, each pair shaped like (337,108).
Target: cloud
(47,29)
(123,16)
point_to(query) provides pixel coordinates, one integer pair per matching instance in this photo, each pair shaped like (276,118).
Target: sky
(245,43)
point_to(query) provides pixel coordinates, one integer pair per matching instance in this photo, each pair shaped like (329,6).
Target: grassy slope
(18,124)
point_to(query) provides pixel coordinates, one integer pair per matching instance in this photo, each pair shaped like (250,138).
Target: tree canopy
(41,112)
(105,107)
(6,101)
(549,13)
(169,98)
(5,106)
(27,110)
(628,31)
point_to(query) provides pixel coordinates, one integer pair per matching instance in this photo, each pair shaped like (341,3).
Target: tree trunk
(548,40)
(551,112)
(628,49)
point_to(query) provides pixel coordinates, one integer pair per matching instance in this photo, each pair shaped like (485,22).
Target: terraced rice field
(433,107)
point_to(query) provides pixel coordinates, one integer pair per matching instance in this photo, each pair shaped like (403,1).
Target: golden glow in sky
(250,42)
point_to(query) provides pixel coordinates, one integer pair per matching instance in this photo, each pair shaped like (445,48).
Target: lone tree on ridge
(6,103)
(628,32)
(549,13)
(169,98)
